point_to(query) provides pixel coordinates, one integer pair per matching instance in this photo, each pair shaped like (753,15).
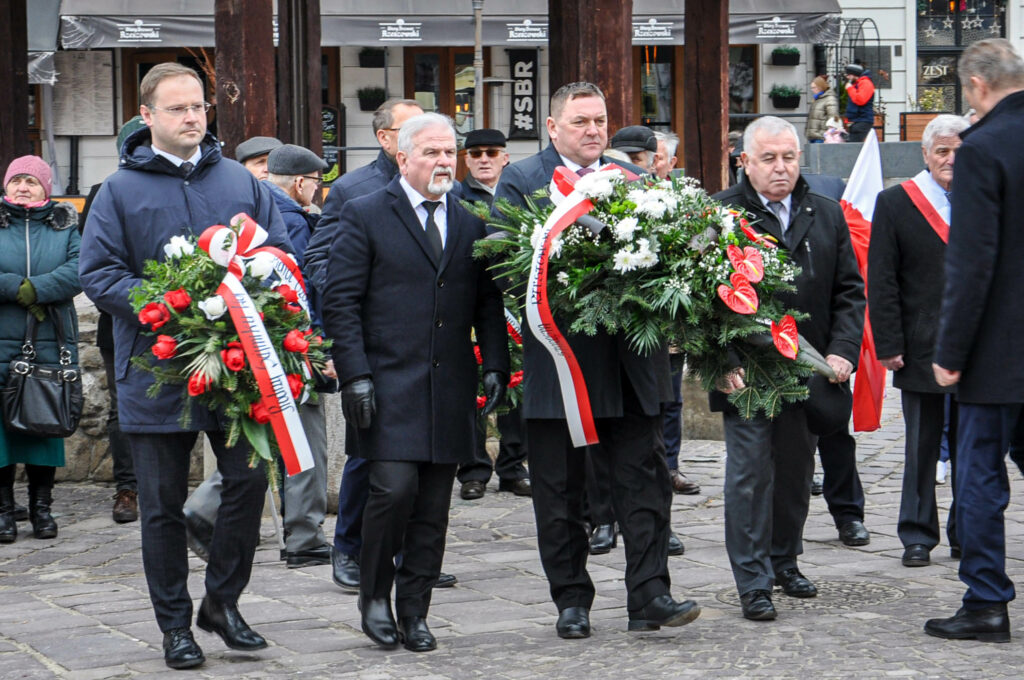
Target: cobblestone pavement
(77,607)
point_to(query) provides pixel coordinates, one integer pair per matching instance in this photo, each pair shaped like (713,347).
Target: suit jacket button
(435,363)
(440,283)
(439,323)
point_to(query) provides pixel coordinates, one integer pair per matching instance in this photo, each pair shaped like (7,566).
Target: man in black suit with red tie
(403,297)
(626,391)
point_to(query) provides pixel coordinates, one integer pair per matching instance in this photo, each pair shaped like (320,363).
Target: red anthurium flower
(741,298)
(297,384)
(155,315)
(516,378)
(786,338)
(295,341)
(178,300)
(234,356)
(198,383)
(476,353)
(165,348)
(481,402)
(259,412)
(766,240)
(747,262)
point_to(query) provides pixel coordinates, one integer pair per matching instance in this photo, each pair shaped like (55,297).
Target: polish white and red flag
(859,207)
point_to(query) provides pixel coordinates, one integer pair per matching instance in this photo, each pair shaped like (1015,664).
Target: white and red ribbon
(230,249)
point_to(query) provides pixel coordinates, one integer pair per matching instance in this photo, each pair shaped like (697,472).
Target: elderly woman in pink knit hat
(38,277)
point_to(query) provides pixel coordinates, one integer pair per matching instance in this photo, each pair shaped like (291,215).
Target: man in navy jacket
(174,182)
(978,347)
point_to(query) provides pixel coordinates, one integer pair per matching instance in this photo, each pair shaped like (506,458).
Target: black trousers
(406,512)
(841,484)
(161,466)
(923,415)
(640,496)
(511,451)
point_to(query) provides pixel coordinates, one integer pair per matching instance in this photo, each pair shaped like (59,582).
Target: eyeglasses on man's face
(179,111)
(312,178)
(491,153)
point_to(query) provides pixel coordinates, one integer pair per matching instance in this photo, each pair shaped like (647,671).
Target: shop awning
(89,24)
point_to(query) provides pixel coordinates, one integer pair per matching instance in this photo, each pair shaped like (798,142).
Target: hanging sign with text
(523,69)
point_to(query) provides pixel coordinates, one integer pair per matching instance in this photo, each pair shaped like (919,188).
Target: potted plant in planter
(785,96)
(928,105)
(785,55)
(373,57)
(371,97)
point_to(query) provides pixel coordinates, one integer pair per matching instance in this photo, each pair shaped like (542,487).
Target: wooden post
(246,87)
(14,62)
(706,106)
(592,40)
(299,99)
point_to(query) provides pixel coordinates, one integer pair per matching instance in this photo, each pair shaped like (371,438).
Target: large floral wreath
(661,262)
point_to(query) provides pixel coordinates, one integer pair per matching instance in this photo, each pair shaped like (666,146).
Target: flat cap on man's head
(485,137)
(634,138)
(255,146)
(290,159)
(854,70)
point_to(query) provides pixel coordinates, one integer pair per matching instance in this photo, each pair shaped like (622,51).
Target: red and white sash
(230,250)
(927,210)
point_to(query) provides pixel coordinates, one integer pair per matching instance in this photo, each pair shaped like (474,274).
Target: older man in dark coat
(770,462)
(626,392)
(404,294)
(978,346)
(905,274)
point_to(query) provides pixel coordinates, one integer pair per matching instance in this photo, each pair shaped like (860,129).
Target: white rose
(178,246)
(213,307)
(261,265)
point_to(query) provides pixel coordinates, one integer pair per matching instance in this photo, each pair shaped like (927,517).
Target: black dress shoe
(181,650)
(573,623)
(520,487)
(916,556)
(472,490)
(379,623)
(446,580)
(416,637)
(309,558)
(990,624)
(226,621)
(663,611)
(198,535)
(345,571)
(675,546)
(795,584)
(757,606)
(602,539)
(682,485)
(854,533)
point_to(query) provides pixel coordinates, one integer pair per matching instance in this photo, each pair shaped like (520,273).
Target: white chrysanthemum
(625,229)
(562,278)
(652,208)
(261,265)
(599,185)
(636,195)
(213,307)
(728,221)
(178,246)
(624,261)
(556,247)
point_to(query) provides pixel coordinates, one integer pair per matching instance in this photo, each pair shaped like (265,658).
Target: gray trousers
(305,494)
(768,470)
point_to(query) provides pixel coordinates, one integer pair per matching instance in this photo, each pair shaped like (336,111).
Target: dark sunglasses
(491,153)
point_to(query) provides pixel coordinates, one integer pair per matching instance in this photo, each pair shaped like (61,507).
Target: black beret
(255,146)
(289,159)
(855,69)
(485,137)
(634,138)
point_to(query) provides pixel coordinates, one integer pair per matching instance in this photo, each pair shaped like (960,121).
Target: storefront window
(442,79)
(742,83)
(656,86)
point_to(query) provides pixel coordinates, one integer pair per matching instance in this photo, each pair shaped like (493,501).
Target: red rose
(234,356)
(288,293)
(516,378)
(155,315)
(297,384)
(178,300)
(476,353)
(198,383)
(259,412)
(295,341)
(165,348)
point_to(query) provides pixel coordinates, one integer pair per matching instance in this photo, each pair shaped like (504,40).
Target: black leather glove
(495,385)
(358,402)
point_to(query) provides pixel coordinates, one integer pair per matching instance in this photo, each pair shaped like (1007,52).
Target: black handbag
(43,400)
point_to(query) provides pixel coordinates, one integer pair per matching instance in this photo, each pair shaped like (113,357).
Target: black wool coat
(404,319)
(905,281)
(981,326)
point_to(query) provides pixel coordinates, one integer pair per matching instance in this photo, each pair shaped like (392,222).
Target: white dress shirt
(440,213)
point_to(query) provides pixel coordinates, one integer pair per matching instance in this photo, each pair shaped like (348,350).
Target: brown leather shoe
(682,485)
(126,506)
